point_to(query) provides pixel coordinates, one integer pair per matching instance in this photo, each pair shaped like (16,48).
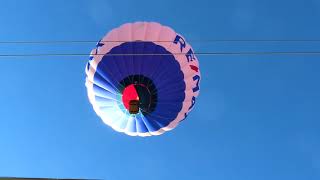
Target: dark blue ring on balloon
(163,70)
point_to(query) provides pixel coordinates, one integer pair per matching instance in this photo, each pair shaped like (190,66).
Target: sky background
(257,117)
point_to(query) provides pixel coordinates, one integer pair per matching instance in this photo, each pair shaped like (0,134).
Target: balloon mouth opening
(139,94)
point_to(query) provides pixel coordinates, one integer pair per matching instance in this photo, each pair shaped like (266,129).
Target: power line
(194,40)
(166,54)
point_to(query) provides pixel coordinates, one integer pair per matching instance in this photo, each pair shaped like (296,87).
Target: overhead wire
(192,40)
(196,53)
(211,53)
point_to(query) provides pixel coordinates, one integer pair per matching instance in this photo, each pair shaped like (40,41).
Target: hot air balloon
(142,79)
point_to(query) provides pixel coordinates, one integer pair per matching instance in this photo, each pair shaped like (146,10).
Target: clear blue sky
(257,117)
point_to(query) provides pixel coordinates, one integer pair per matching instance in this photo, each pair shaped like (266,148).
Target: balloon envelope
(142,79)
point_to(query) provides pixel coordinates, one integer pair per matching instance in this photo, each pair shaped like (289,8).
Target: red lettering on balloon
(195,68)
